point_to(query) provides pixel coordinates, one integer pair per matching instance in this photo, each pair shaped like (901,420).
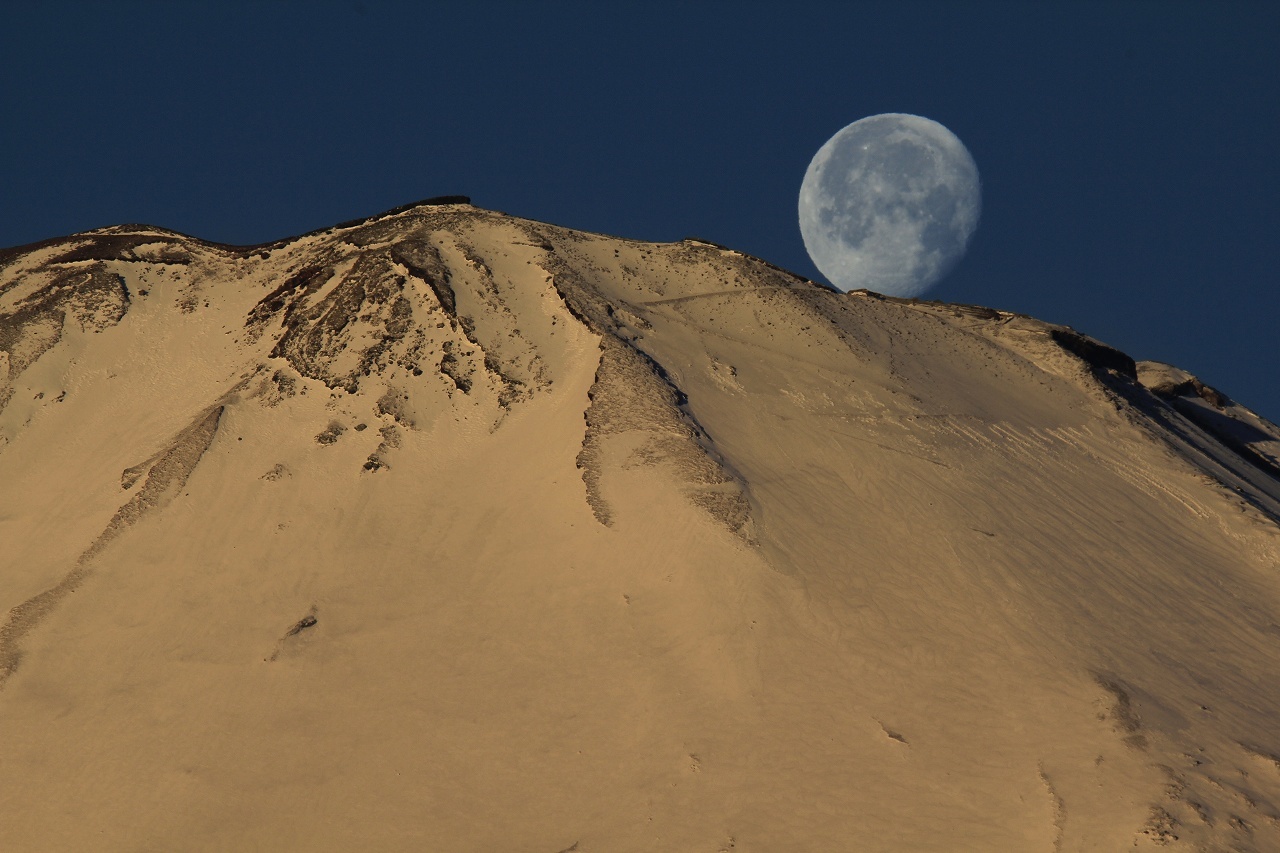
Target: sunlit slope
(448,530)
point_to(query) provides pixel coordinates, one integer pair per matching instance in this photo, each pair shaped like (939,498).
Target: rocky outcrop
(1096,354)
(92,297)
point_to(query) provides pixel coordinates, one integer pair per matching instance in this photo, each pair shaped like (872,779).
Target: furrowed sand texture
(451,531)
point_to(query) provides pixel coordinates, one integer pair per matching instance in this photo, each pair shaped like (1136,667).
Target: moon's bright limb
(889,203)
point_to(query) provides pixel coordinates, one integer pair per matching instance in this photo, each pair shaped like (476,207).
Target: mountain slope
(451,530)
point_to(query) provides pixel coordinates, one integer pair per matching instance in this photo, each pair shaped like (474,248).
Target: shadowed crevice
(634,393)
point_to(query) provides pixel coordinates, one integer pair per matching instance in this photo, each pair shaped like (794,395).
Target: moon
(889,204)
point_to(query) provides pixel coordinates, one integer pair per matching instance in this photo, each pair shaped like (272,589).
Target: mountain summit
(449,530)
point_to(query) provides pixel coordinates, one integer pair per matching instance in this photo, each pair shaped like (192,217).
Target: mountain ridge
(447,528)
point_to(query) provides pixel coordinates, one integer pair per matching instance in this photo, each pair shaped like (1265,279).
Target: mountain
(450,530)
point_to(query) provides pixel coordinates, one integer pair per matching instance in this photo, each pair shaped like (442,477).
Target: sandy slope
(452,531)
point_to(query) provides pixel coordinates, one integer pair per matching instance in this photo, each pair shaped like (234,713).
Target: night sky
(1129,152)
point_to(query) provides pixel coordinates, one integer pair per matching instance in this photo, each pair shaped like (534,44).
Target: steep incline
(450,530)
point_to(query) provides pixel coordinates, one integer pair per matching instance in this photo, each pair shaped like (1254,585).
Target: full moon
(889,204)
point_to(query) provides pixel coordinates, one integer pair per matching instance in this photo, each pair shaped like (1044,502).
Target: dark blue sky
(1130,152)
